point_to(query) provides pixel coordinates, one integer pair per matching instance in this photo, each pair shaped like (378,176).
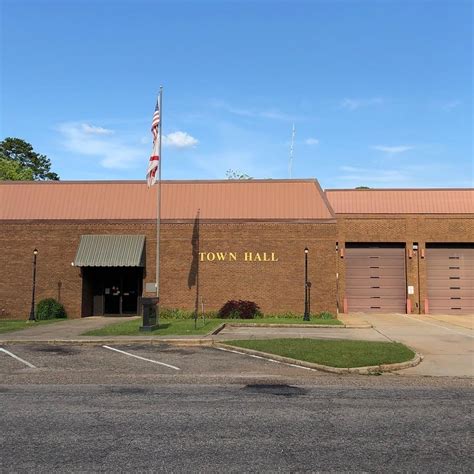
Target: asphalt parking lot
(129,407)
(99,363)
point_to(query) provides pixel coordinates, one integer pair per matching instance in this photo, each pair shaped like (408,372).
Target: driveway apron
(448,348)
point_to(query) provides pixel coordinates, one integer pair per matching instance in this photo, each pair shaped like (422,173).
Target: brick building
(369,250)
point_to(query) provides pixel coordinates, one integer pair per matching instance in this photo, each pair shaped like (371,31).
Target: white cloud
(311,141)
(91,129)
(89,140)
(354,104)
(179,140)
(392,149)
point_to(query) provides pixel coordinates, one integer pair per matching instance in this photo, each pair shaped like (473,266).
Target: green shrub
(239,310)
(324,315)
(49,308)
(287,315)
(180,314)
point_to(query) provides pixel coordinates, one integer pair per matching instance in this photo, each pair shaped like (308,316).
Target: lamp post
(32,311)
(306,309)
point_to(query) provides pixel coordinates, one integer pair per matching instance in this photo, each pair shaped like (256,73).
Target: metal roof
(110,251)
(132,200)
(401,201)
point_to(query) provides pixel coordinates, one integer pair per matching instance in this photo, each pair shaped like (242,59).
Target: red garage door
(450,279)
(375,278)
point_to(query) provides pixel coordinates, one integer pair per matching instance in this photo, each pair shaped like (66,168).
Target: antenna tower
(290,164)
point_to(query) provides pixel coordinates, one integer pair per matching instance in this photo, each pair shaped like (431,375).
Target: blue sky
(380,92)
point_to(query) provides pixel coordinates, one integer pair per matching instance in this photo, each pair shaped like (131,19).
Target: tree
(233,174)
(362,187)
(21,153)
(13,171)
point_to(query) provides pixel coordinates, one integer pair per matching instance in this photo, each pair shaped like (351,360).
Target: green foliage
(235,313)
(324,315)
(22,154)
(286,315)
(166,327)
(13,171)
(234,174)
(181,314)
(49,308)
(289,315)
(362,187)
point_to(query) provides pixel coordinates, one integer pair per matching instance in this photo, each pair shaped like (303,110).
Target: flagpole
(158,211)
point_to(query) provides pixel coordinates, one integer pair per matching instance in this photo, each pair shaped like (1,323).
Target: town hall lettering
(234,256)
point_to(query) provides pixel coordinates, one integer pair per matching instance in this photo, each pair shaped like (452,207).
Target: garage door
(375,278)
(450,279)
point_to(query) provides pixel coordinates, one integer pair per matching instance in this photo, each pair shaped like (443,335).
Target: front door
(112,290)
(112,295)
(130,292)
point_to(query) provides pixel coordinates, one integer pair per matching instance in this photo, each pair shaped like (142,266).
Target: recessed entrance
(112,273)
(111,291)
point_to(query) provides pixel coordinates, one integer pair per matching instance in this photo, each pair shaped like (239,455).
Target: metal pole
(306,314)
(32,310)
(158,212)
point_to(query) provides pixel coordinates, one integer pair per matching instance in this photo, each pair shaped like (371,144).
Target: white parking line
(267,359)
(141,358)
(439,326)
(17,358)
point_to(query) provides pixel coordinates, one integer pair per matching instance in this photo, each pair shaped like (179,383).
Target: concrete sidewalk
(68,329)
(448,349)
(326,332)
(71,331)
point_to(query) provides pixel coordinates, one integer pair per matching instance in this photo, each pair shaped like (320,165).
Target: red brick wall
(275,286)
(404,229)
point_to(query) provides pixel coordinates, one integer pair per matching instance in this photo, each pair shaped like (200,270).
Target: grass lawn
(8,325)
(334,353)
(182,327)
(323,322)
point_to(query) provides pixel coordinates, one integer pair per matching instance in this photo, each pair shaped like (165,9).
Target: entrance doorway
(112,290)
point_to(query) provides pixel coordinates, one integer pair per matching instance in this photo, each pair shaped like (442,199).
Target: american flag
(155,154)
(155,122)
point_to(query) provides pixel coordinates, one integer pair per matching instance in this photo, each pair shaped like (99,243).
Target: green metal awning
(110,251)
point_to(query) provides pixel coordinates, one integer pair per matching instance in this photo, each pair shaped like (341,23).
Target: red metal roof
(129,200)
(401,201)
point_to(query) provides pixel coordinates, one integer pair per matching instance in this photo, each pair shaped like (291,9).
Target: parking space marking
(17,358)
(141,358)
(267,359)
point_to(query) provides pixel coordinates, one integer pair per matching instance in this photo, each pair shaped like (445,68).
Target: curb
(373,369)
(293,326)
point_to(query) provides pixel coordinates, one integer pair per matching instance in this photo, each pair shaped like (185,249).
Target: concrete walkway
(69,329)
(448,349)
(326,332)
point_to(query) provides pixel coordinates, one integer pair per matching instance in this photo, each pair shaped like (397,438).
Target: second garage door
(450,275)
(375,278)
